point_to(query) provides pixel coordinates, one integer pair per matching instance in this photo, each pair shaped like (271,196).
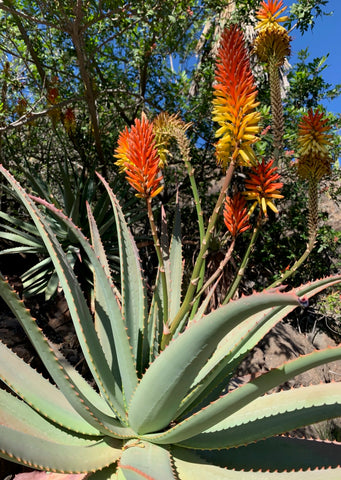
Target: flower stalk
(241,271)
(313,164)
(272,46)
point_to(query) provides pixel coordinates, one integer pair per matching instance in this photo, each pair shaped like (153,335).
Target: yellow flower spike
(235,102)
(166,127)
(313,142)
(272,46)
(274,43)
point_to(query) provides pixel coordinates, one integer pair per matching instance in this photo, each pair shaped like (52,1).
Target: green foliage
(72,190)
(304,12)
(307,86)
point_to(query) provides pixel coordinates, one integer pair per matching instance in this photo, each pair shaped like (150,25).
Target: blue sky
(324,38)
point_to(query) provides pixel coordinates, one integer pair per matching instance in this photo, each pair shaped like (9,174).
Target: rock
(284,343)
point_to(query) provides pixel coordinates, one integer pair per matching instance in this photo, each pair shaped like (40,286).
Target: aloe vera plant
(158,414)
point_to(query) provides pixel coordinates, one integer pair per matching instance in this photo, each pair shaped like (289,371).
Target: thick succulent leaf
(190,467)
(111,310)
(97,242)
(272,414)
(168,379)
(233,401)
(14,250)
(174,267)
(154,326)
(26,437)
(279,453)
(144,460)
(40,394)
(235,346)
(19,416)
(79,310)
(44,454)
(44,265)
(23,239)
(75,393)
(18,222)
(102,321)
(133,291)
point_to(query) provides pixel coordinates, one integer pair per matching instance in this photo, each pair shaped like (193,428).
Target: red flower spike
(235,101)
(236,217)
(138,158)
(262,186)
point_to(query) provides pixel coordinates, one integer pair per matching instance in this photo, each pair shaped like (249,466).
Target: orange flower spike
(269,13)
(313,142)
(312,134)
(138,158)
(262,186)
(236,217)
(122,150)
(235,101)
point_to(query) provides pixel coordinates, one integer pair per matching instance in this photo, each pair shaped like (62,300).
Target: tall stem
(190,171)
(245,261)
(312,225)
(276,107)
(161,262)
(192,288)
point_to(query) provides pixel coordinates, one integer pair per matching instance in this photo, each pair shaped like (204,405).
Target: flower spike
(236,217)
(262,186)
(139,160)
(269,13)
(272,46)
(235,101)
(313,140)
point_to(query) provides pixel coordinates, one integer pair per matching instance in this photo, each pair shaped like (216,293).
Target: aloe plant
(161,414)
(163,406)
(74,190)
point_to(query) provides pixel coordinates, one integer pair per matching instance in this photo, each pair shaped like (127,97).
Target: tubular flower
(236,217)
(262,186)
(139,160)
(235,101)
(269,14)
(313,140)
(273,41)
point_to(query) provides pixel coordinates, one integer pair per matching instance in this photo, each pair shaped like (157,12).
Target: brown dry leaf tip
(138,158)
(234,105)
(262,186)
(236,217)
